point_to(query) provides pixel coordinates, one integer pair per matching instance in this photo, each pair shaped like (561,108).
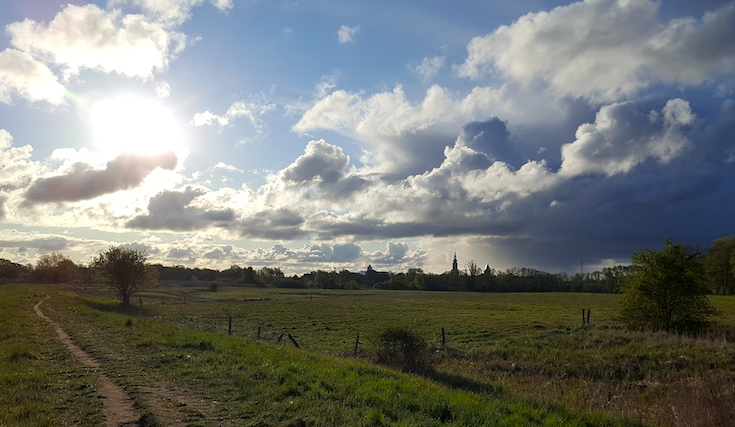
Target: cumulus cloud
(623,137)
(45,243)
(403,133)
(323,162)
(391,113)
(181,254)
(222,5)
(606,49)
(346,33)
(325,253)
(218,253)
(396,252)
(492,138)
(276,224)
(173,210)
(483,186)
(252,110)
(324,166)
(83,182)
(24,76)
(430,67)
(170,12)
(88,37)
(15,163)
(141,247)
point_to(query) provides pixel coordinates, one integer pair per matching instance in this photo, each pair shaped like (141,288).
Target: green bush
(402,348)
(667,291)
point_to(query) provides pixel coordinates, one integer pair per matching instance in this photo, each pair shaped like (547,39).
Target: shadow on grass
(119,308)
(461,383)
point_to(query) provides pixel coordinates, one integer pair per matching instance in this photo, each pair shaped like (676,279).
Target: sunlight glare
(134,124)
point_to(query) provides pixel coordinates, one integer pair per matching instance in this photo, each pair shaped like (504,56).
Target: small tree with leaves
(55,267)
(125,271)
(666,290)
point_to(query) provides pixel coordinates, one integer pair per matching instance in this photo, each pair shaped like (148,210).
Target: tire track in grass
(117,405)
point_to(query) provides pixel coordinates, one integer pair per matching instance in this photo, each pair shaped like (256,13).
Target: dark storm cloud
(170,210)
(641,175)
(128,170)
(377,229)
(492,138)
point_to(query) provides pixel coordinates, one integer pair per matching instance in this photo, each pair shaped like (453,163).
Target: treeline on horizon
(718,260)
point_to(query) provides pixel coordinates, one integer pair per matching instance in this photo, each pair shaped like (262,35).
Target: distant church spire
(455,269)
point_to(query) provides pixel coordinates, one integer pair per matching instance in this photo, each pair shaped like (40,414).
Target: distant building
(455,269)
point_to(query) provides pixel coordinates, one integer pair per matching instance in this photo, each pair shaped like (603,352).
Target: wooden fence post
(588,317)
(582,317)
(229,327)
(293,341)
(258,332)
(444,338)
(357,341)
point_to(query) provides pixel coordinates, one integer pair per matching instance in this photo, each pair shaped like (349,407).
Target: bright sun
(135,124)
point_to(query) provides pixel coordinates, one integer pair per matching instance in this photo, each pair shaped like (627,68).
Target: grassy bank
(41,384)
(248,382)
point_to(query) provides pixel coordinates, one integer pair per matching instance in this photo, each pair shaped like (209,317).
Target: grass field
(509,359)
(526,344)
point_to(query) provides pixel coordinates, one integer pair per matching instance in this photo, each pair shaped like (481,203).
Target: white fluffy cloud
(24,76)
(170,12)
(346,33)
(606,49)
(391,113)
(322,162)
(15,163)
(402,133)
(253,110)
(623,137)
(88,37)
(429,67)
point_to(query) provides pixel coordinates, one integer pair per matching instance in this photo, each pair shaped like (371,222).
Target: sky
(340,134)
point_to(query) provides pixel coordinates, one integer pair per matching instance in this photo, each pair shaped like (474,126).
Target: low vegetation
(41,383)
(248,382)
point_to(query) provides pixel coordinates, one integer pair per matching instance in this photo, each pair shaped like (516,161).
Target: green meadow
(507,359)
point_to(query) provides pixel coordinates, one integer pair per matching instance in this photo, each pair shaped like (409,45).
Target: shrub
(212,287)
(402,348)
(667,291)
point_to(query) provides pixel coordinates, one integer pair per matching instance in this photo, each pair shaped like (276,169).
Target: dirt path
(118,407)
